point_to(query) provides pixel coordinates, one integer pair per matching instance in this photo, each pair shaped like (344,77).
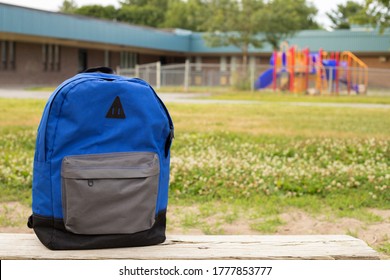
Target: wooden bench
(198,247)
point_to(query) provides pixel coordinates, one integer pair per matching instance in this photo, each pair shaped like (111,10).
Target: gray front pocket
(110,193)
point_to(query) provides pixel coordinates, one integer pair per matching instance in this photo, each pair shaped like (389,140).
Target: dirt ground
(298,222)
(13,219)
(295,222)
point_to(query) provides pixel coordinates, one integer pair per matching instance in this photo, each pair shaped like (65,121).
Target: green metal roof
(338,40)
(20,20)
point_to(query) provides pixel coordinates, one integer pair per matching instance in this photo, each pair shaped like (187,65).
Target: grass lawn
(253,166)
(223,93)
(270,96)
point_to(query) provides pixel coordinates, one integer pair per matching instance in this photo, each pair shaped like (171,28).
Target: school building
(44,48)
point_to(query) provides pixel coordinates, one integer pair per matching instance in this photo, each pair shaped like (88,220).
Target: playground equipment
(314,72)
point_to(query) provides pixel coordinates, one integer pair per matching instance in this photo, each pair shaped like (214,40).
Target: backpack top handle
(101,69)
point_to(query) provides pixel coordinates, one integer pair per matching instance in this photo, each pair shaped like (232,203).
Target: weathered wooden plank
(198,247)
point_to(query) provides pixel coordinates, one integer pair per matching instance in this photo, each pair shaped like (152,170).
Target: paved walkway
(20,93)
(197,98)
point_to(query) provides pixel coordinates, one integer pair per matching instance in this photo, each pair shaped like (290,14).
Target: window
(56,58)
(83,60)
(51,57)
(7,55)
(107,58)
(223,64)
(128,60)
(233,63)
(198,63)
(3,55)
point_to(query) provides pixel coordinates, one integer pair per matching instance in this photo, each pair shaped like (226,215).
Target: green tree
(143,12)
(283,18)
(190,15)
(143,2)
(240,22)
(340,17)
(236,23)
(98,11)
(68,6)
(146,15)
(176,14)
(375,13)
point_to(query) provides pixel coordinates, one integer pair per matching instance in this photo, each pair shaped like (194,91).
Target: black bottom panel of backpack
(52,233)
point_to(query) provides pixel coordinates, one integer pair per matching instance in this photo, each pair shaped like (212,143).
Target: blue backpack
(101,166)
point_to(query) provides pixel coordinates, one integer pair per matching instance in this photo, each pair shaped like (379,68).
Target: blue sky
(52,5)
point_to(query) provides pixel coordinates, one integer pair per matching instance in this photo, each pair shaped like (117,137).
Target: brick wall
(29,69)
(377,61)
(95,58)
(114,60)
(145,58)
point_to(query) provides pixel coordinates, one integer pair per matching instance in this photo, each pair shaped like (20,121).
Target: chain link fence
(311,80)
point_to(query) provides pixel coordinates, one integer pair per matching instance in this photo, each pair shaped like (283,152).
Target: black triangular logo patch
(116,110)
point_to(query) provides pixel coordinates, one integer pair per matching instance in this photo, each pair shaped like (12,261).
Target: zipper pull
(90,182)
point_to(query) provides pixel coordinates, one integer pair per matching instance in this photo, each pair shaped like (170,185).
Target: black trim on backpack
(52,233)
(168,142)
(102,69)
